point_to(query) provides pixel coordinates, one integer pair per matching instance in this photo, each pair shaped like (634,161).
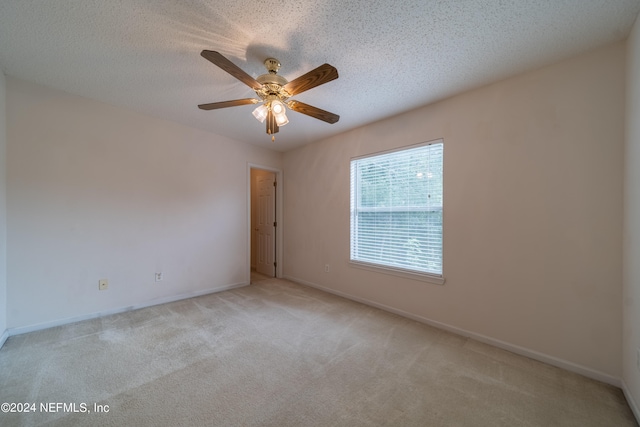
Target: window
(396,210)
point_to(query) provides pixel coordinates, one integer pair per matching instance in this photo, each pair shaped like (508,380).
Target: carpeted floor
(279,354)
(256,277)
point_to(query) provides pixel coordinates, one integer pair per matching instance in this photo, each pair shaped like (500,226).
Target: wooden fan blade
(231,68)
(272,126)
(321,75)
(314,112)
(225,104)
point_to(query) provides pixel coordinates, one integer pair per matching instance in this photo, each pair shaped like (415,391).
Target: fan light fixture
(278,110)
(276,107)
(281,119)
(261,112)
(274,92)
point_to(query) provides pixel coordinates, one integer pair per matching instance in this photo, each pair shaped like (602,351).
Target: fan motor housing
(266,79)
(272,85)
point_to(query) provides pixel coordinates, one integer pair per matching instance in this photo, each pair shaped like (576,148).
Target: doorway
(264,227)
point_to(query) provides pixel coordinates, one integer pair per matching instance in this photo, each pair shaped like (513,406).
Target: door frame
(278,216)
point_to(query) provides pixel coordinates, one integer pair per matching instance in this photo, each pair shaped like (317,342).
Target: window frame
(385,269)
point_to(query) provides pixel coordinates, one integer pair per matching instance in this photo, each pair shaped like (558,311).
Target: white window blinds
(396,209)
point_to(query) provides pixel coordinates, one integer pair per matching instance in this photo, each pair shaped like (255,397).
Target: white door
(266,224)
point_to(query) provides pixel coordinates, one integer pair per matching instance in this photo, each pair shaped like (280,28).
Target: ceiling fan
(274,92)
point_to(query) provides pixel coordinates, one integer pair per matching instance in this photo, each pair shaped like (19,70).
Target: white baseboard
(3,337)
(631,401)
(158,301)
(532,354)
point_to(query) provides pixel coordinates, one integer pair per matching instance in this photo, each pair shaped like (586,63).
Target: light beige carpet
(256,277)
(279,354)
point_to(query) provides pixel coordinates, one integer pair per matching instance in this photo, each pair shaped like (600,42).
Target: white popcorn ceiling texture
(391,55)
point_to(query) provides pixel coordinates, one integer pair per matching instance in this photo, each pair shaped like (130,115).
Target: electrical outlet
(159,276)
(103,284)
(326,268)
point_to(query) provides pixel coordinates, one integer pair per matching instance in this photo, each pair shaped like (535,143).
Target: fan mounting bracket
(272,65)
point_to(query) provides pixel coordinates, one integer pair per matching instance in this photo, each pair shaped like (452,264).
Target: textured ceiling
(391,55)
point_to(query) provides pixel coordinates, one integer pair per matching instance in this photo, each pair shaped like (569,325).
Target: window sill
(423,277)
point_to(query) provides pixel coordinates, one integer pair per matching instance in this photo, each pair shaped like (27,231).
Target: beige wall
(631,304)
(532,213)
(95,191)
